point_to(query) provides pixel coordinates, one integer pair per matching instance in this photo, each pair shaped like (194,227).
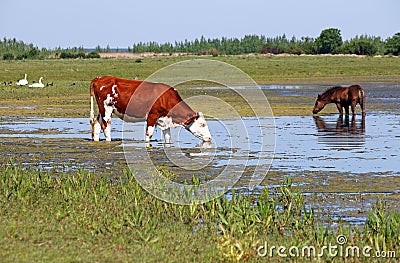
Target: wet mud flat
(341,165)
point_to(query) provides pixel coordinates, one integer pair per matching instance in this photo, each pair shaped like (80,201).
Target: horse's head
(199,128)
(319,104)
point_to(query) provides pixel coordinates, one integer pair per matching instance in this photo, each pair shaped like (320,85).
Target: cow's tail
(92,118)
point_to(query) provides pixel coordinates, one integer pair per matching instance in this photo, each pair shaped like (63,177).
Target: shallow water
(331,144)
(308,143)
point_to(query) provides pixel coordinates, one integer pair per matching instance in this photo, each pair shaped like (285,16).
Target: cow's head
(199,128)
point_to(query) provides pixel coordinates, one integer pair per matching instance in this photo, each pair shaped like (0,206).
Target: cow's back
(98,82)
(133,97)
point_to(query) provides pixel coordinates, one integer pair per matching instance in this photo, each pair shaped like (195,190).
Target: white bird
(37,85)
(22,82)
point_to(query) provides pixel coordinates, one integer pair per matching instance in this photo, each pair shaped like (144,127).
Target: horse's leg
(363,123)
(362,104)
(346,120)
(339,123)
(353,124)
(353,107)
(346,108)
(339,107)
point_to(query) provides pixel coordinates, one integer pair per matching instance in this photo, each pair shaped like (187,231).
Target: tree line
(328,42)
(12,49)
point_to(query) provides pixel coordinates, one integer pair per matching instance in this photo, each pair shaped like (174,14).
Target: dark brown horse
(343,97)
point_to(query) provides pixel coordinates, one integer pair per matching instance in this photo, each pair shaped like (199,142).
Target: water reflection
(342,134)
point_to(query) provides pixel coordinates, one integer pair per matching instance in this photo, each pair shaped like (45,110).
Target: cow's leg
(151,124)
(96,128)
(149,132)
(107,132)
(167,135)
(107,122)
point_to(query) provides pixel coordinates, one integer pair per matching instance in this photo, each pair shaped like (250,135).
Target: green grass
(265,70)
(82,217)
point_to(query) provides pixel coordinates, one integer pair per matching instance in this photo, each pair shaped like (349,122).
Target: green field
(70,94)
(94,216)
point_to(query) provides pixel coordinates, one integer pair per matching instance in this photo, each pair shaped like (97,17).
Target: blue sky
(120,23)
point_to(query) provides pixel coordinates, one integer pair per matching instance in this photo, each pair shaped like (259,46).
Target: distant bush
(80,54)
(392,45)
(271,50)
(71,54)
(65,55)
(8,56)
(363,45)
(93,54)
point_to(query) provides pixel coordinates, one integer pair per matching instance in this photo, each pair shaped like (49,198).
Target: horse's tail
(362,98)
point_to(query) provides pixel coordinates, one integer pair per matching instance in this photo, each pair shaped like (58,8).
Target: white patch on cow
(165,123)
(109,108)
(199,128)
(114,92)
(108,112)
(149,133)
(109,100)
(102,87)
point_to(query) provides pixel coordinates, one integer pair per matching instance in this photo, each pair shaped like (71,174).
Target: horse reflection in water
(342,134)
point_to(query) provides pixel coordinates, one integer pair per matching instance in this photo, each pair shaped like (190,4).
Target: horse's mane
(331,90)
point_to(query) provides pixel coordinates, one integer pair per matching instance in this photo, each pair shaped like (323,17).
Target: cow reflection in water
(342,134)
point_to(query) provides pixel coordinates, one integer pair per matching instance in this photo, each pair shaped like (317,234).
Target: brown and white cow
(135,101)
